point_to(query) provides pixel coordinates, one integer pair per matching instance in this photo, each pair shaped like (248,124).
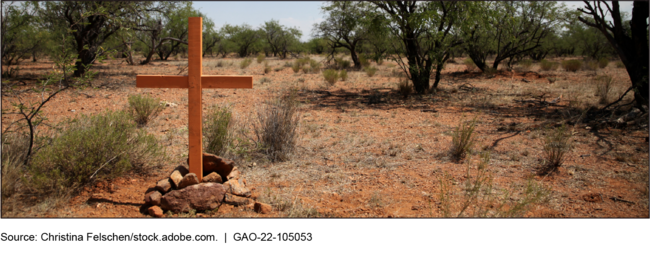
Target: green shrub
(370,71)
(380,61)
(603,88)
(462,139)
(555,148)
(572,65)
(143,109)
(469,64)
(343,74)
(260,58)
(603,62)
(93,147)
(342,64)
(303,61)
(245,63)
(296,67)
(315,65)
(548,65)
(306,69)
(276,127)
(330,76)
(364,61)
(217,130)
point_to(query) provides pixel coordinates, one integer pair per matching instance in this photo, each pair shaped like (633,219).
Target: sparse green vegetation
(217,131)
(343,74)
(330,76)
(548,65)
(260,58)
(555,148)
(143,109)
(245,63)
(462,139)
(572,65)
(93,147)
(370,71)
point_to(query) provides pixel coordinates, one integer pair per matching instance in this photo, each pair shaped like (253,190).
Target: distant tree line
(421,36)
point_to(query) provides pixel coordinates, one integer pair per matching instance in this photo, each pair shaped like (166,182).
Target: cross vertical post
(195,109)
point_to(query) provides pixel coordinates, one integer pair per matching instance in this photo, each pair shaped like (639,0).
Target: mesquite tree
(631,45)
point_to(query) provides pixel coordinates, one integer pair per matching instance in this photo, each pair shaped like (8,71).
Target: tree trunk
(639,72)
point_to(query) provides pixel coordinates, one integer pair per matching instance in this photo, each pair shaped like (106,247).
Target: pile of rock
(182,192)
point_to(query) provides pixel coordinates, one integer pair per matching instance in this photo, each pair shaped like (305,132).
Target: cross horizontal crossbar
(207,81)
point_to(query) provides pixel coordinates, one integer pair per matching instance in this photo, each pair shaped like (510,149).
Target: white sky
(292,14)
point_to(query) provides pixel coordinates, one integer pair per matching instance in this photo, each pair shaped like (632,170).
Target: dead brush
(462,139)
(14,150)
(276,130)
(479,197)
(603,88)
(556,147)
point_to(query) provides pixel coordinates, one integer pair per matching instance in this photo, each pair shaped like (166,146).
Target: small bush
(245,63)
(217,135)
(306,69)
(555,148)
(90,148)
(364,61)
(603,62)
(342,64)
(303,61)
(572,65)
(404,88)
(330,76)
(469,64)
(370,71)
(380,61)
(219,63)
(143,109)
(462,139)
(548,65)
(343,74)
(315,65)
(260,58)
(276,128)
(603,88)
(296,67)
(14,150)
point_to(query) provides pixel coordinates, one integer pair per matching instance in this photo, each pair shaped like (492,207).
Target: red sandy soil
(365,151)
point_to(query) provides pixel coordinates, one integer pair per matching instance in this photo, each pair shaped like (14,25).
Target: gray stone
(189,180)
(200,197)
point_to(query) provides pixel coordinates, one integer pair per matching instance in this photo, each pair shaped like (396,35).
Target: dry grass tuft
(462,139)
(276,130)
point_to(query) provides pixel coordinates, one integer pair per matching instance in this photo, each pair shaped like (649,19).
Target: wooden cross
(194,82)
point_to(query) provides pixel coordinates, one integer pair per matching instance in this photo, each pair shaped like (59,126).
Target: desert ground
(364,150)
